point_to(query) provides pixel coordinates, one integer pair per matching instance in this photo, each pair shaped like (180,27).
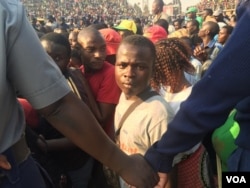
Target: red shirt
(105,90)
(31,115)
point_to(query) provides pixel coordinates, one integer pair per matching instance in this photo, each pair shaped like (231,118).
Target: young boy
(148,121)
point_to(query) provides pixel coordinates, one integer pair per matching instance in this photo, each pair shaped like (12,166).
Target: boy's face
(58,53)
(133,69)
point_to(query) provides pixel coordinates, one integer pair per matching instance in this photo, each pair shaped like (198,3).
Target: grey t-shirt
(25,69)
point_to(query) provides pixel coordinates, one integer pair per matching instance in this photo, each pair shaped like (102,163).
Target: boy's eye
(89,50)
(140,67)
(122,66)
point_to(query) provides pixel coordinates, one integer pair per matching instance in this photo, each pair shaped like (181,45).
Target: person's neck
(130,97)
(134,97)
(206,41)
(88,70)
(182,85)
(158,14)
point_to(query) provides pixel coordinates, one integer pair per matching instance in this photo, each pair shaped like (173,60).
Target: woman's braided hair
(172,59)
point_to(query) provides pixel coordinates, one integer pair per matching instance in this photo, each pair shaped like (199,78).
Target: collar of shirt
(210,44)
(219,45)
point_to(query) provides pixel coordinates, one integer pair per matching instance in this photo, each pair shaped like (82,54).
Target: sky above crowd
(185,3)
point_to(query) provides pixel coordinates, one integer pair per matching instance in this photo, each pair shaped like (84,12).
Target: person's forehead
(223,30)
(93,40)
(73,36)
(128,47)
(154,4)
(205,26)
(139,52)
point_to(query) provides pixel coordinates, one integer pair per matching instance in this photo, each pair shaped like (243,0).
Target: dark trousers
(23,175)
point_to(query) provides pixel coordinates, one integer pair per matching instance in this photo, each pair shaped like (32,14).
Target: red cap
(112,39)
(155,33)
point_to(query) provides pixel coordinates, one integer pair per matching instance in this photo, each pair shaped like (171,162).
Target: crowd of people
(139,103)
(203,38)
(216,4)
(83,13)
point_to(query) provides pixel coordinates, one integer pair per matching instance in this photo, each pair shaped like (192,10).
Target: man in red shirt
(104,92)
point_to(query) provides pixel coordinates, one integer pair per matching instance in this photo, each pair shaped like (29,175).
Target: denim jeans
(25,174)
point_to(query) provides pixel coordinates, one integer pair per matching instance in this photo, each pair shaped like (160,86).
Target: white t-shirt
(144,126)
(175,100)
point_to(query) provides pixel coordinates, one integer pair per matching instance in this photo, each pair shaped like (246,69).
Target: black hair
(137,20)
(164,23)
(209,11)
(140,41)
(98,26)
(187,41)
(57,38)
(160,3)
(172,58)
(214,28)
(234,17)
(229,29)
(75,53)
(195,23)
(62,30)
